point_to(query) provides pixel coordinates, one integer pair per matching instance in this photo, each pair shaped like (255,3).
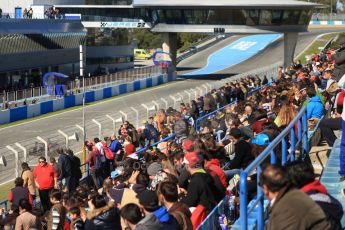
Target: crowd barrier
(33,110)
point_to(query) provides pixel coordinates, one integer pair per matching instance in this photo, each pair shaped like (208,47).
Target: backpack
(108,153)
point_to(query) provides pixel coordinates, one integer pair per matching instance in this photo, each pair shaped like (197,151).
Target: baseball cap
(149,199)
(114,174)
(261,140)
(188,145)
(191,158)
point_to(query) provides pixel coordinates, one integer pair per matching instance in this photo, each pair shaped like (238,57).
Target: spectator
(8,220)
(55,165)
(115,145)
(303,177)
(283,213)
(213,164)
(29,181)
(134,219)
(102,215)
(45,179)
(149,203)
(76,174)
(201,189)
(168,196)
(315,108)
(76,223)
(329,124)
(65,164)
(150,132)
(0,13)
(56,218)
(19,192)
(95,164)
(180,128)
(30,13)
(243,153)
(27,220)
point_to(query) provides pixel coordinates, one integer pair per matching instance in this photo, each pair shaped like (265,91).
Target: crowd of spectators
(176,184)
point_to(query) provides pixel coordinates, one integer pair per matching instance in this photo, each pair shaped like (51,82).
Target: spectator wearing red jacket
(45,179)
(213,165)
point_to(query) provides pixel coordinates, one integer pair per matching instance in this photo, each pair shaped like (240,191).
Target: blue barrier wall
(315,22)
(107,92)
(123,88)
(46,107)
(69,101)
(89,96)
(20,113)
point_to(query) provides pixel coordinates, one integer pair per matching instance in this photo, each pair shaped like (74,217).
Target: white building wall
(8,6)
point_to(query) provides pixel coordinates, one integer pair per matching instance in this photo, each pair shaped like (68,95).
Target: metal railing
(17,98)
(288,135)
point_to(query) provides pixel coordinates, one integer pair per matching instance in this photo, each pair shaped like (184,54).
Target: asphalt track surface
(44,126)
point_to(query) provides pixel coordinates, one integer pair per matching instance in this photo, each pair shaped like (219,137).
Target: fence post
(82,129)
(200,90)
(293,143)
(300,133)
(195,93)
(180,96)
(189,94)
(260,195)
(305,133)
(284,151)
(148,109)
(99,128)
(165,102)
(65,136)
(175,100)
(45,146)
(124,114)
(243,200)
(156,104)
(206,89)
(210,85)
(136,115)
(16,159)
(25,153)
(113,120)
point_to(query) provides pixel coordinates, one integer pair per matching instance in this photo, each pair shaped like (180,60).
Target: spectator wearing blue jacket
(315,108)
(115,145)
(150,132)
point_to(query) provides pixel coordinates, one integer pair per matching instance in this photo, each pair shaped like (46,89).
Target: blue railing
(200,119)
(288,132)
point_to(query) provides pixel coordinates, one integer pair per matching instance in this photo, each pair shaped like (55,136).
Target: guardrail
(281,139)
(17,97)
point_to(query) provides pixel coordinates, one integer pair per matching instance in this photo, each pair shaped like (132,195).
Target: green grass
(314,47)
(78,106)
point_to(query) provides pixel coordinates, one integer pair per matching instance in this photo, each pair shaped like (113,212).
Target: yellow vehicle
(141,54)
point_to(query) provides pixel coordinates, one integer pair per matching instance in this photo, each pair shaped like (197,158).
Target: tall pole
(81,66)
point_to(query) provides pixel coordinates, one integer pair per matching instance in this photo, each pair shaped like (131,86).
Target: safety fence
(29,150)
(17,97)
